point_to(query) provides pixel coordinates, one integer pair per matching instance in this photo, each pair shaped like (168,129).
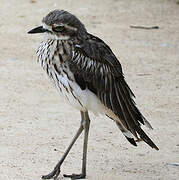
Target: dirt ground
(36,126)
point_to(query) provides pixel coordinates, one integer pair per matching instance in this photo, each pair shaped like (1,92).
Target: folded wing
(95,67)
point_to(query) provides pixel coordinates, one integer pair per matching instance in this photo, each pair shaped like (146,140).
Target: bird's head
(60,24)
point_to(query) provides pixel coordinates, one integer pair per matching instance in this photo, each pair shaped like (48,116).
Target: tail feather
(134,117)
(145,138)
(129,136)
(130,119)
(131,140)
(147,124)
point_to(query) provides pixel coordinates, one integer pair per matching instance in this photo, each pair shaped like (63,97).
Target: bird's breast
(54,57)
(54,52)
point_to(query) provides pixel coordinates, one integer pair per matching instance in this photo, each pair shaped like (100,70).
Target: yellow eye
(58,28)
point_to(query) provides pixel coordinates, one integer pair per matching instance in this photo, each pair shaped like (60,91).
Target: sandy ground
(36,126)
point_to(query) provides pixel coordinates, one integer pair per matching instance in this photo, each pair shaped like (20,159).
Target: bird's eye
(58,28)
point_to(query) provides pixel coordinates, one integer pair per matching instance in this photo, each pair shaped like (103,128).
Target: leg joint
(85,120)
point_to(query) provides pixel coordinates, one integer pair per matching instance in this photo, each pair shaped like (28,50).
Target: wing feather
(101,72)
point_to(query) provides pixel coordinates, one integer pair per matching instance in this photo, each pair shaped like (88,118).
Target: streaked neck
(54,37)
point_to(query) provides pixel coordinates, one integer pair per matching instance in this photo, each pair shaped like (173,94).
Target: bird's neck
(55,37)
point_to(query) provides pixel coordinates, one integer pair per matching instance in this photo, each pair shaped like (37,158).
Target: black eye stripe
(58,28)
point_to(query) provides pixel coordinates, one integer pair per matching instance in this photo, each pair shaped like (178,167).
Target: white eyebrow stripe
(70,27)
(45,26)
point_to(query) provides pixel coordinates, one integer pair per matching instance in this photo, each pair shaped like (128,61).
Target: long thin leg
(55,173)
(86,124)
(86,128)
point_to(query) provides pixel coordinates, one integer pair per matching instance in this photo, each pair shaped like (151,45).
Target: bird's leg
(86,124)
(55,173)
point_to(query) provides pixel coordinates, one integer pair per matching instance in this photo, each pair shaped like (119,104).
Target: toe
(54,174)
(75,176)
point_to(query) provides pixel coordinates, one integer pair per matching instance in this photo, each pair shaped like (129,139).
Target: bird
(88,76)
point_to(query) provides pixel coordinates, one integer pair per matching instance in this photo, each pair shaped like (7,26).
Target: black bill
(39,29)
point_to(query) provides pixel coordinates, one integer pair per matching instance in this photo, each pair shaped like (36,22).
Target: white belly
(70,91)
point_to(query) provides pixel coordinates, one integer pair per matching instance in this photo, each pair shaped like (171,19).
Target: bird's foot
(75,176)
(54,174)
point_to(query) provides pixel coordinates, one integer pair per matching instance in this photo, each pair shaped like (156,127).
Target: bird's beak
(39,29)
